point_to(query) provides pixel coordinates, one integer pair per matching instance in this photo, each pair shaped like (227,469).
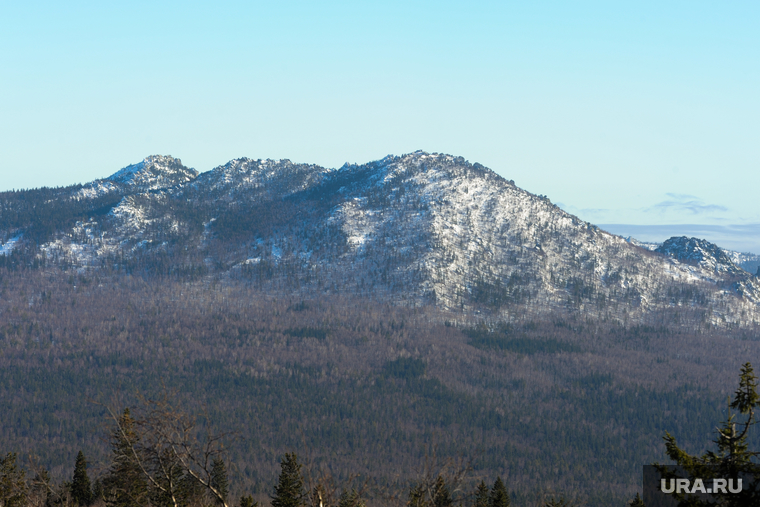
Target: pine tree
(289,491)
(219,479)
(350,498)
(167,486)
(482,496)
(126,484)
(81,493)
(733,456)
(97,490)
(13,489)
(499,495)
(190,490)
(636,502)
(733,451)
(40,493)
(247,501)
(441,494)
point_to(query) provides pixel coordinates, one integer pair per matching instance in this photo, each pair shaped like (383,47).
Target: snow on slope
(416,229)
(472,235)
(8,247)
(154,172)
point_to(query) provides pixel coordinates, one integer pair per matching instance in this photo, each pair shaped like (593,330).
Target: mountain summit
(422,228)
(154,172)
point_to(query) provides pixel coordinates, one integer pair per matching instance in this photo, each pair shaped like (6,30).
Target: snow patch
(7,247)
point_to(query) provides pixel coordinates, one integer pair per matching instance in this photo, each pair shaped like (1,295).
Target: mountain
(374,318)
(415,229)
(749,262)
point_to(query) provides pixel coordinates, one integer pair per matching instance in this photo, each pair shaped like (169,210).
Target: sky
(637,116)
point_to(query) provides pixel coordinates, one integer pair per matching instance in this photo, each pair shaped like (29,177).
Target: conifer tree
(81,493)
(636,502)
(441,494)
(97,490)
(40,489)
(499,495)
(190,489)
(350,498)
(482,496)
(733,451)
(127,486)
(289,491)
(247,501)
(13,489)
(733,456)
(168,482)
(219,479)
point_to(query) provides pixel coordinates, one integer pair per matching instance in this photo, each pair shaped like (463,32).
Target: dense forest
(364,392)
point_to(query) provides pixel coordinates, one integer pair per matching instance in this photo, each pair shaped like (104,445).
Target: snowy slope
(415,229)
(153,173)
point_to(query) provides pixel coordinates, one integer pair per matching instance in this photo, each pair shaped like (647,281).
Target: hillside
(364,317)
(416,229)
(357,387)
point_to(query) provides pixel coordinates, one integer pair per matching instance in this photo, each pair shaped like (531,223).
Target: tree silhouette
(219,479)
(289,491)
(81,493)
(482,496)
(499,495)
(733,456)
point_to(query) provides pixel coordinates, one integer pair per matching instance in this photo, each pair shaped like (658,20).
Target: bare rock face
(154,172)
(422,228)
(699,252)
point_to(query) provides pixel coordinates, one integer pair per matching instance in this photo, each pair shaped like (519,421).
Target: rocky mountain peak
(698,252)
(154,172)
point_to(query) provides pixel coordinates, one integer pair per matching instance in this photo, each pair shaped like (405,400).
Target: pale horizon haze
(641,117)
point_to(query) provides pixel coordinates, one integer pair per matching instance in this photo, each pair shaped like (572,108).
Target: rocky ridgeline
(415,229)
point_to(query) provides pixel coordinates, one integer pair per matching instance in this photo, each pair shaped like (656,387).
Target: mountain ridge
(420,228)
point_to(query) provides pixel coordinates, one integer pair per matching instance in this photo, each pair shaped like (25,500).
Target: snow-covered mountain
(415,229)
(152,173)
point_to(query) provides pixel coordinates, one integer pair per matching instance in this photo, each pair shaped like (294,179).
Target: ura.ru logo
(679,486)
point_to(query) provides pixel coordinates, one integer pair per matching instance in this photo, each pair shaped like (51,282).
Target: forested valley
(373,396)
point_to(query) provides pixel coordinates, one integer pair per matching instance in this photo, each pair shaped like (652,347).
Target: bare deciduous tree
(172,447)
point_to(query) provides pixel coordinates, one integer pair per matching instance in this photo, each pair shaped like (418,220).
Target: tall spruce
(81,493)
(126,484)
(499,494)
(219,479)
(733,456)
(482,496)
(13,489)
(441,494)
(289,491)
(168,486)
(191,491)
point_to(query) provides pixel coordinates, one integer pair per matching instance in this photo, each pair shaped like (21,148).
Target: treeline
(166,457)
(161,461)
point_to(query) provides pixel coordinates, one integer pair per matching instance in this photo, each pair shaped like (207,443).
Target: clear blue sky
(623,112)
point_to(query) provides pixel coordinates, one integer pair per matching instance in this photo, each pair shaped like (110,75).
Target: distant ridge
(417,229)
